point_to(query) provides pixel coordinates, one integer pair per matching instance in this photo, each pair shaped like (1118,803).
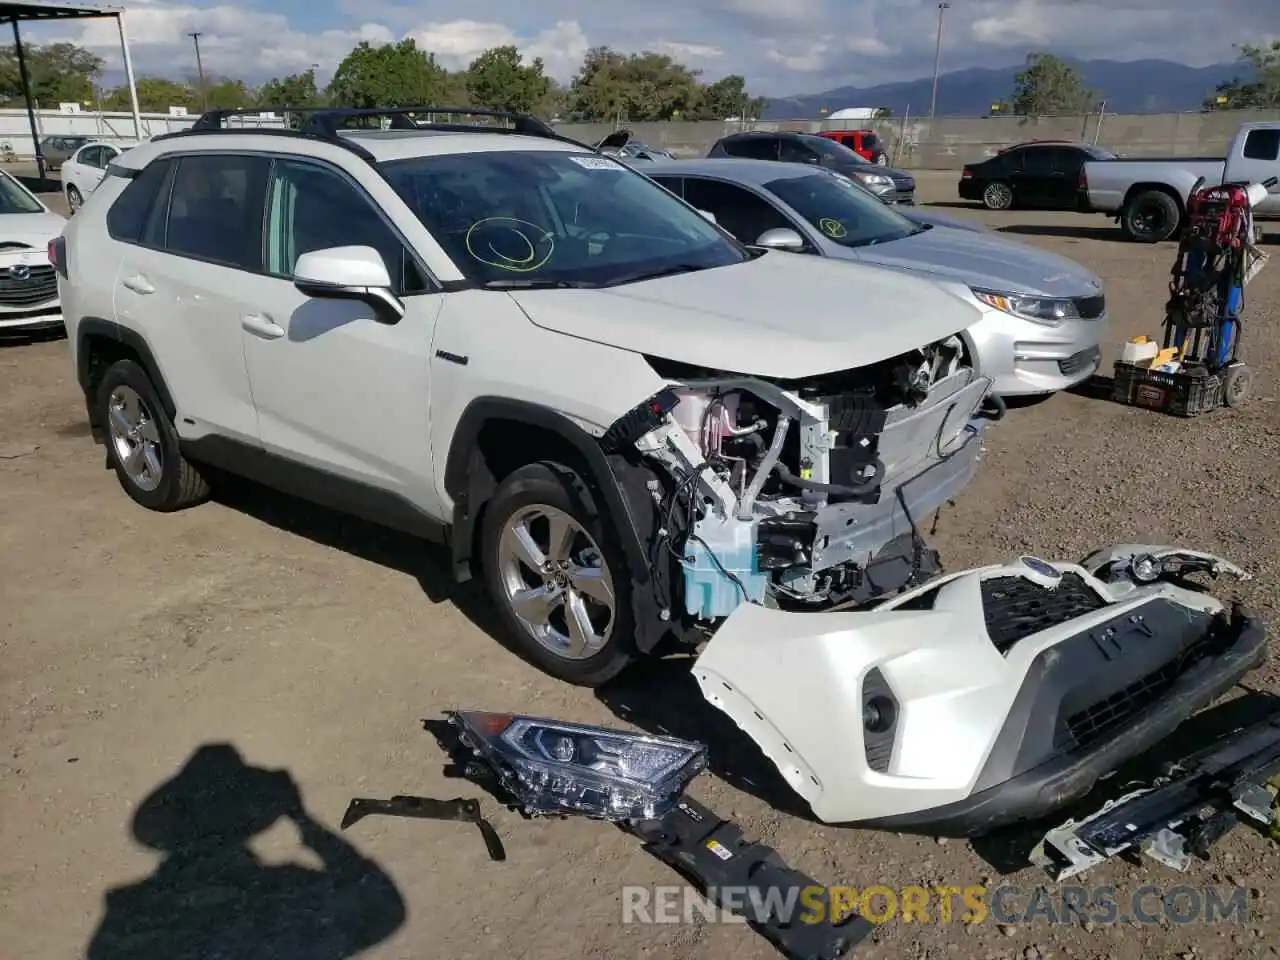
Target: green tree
(295,90)
(499,79)
(222,93)
(155,95)
(393,74)
(1048,85)
(59,73)
(1261,90)
(641,86)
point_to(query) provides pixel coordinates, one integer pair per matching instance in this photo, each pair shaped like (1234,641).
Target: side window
(215,209)
(674,184)
(739,211)
(792,151)
(313,207)
(147,191)
(1262,145)
(91,157)
(753,148)
(1036,162)
(1065,160)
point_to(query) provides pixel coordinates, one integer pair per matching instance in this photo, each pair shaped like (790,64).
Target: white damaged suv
(500,339)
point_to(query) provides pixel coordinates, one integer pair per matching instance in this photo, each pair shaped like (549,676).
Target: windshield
(843,212)
(533,217)
(835,151)
(14,197)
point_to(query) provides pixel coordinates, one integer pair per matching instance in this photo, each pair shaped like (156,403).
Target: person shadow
(212,898)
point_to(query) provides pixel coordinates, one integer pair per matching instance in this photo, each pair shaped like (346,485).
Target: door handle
(261,326)
(138,284)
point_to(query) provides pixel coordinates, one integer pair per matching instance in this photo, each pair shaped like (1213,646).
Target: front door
(335,389)
(1259,160)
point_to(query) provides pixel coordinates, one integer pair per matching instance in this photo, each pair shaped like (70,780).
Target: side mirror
(709,215)
(781,238)
(349,273)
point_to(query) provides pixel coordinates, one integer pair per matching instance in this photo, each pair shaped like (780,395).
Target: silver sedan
(1043,315)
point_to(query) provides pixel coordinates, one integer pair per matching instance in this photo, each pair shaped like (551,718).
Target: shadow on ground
(1007,850)
(1063,230)
(212,897)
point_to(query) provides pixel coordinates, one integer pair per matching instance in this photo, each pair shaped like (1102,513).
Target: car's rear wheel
(553,567)
(142,444)
(997,196)
(74,200)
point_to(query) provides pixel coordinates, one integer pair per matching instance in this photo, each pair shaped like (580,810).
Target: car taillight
(58,254)
(966,174)
(1083,182)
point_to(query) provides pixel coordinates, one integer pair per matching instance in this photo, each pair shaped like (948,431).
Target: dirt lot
(315,645)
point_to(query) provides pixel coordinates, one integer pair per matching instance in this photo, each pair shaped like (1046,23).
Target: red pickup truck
(865,143)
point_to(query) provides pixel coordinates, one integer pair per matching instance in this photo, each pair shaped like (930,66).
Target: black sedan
(1040,175)
(891,186)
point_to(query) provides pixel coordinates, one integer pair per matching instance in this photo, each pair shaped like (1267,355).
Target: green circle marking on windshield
(525,247)
(832,228)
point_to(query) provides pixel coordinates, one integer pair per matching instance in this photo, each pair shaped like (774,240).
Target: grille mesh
(1091,308)
(40,286)
(1016,608)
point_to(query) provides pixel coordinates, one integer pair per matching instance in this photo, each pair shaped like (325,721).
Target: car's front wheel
(142,444)
(553,566)
(74,200)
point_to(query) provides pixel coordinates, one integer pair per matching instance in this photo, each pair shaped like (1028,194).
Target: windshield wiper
(668,271)
(535,283)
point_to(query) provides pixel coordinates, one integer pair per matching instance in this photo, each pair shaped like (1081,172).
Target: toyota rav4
(627,421)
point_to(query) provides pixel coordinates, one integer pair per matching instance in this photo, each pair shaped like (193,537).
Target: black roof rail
(326,123)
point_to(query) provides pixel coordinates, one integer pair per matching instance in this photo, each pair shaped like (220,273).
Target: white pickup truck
(1148,195)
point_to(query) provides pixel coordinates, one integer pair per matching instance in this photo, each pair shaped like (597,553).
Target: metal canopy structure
(28,11)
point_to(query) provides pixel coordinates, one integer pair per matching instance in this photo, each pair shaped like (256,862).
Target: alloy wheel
(135,438)
(556,581)
(998,196)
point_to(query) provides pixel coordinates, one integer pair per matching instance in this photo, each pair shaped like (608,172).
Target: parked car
(511,343)
(57,150)
(1042,315)
(1040,175)
(892,186)
(85,169)
(1148,195)
(865,143)
(28,284)
(623,145)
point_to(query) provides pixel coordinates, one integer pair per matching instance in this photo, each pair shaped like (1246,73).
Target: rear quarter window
(127,215)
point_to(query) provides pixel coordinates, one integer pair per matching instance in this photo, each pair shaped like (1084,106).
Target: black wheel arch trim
(469,483)
(91,327)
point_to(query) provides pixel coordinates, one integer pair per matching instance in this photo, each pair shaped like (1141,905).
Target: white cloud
(781,47)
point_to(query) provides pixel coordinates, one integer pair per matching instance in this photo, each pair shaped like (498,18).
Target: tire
(998,195)
(535,501)
(1236,385)
(1150,217)
(74,200)
(158,477)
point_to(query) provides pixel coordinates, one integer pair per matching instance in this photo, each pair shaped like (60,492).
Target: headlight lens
(875,179)
(553,767)
(1044,310)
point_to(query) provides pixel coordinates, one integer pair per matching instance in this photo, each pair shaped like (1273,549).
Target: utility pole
(204,97)
(943,5)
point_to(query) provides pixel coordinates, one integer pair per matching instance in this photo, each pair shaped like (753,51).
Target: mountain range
(1136,86)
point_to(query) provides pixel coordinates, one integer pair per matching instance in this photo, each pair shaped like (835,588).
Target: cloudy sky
(782,46)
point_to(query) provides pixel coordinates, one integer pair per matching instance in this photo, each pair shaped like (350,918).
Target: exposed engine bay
(806,493)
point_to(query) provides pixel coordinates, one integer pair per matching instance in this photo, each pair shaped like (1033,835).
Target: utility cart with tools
(1197,367)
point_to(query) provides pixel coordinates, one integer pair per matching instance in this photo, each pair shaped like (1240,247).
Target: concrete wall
(951,142)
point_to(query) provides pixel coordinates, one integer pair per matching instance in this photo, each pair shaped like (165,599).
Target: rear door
(1259,160)
(1064,176)
(183,284)
(1031,175)
(86,169)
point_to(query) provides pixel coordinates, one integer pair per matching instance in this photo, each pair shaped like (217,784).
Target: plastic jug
(1139,351)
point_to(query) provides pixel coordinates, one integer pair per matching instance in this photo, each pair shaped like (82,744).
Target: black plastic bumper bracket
(714,855)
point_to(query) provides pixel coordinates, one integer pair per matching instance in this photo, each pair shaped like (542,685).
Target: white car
(85,169)
(28,284)
(628,421)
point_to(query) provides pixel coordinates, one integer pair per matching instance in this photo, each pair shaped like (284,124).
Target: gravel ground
(314,645)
